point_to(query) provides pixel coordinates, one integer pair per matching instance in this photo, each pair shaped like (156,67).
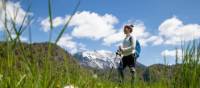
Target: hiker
(129,52)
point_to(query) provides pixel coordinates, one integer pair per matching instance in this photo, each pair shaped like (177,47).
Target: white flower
(70,86)
(95,76)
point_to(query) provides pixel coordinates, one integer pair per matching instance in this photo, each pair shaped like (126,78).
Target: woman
(128,51)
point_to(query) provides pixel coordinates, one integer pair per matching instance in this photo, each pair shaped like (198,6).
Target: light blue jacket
(128,47)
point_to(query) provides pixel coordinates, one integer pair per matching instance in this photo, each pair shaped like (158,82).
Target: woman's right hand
(120,48)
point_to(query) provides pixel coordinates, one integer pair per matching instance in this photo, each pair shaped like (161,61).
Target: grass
(26,71)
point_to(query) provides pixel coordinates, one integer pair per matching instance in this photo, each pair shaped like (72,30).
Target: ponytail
(130,27)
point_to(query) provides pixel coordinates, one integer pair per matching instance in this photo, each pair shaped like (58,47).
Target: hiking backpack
(137,47)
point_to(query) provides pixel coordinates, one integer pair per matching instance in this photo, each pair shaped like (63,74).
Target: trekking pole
(116,54)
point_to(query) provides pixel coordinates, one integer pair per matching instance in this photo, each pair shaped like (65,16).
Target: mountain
(37,52)
(37,68)
(100,59)
(157,72)
(92,62)
(97,59)
(105,63)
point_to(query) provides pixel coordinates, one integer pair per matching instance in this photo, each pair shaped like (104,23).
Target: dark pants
(129,61)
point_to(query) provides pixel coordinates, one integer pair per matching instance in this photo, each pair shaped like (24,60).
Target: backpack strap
(131,39)
(136,54)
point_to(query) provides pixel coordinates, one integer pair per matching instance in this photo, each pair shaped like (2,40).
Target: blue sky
(164,21)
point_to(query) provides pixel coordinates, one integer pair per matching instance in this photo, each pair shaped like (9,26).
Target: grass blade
(67,23)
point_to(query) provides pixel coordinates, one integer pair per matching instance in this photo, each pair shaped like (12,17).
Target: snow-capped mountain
(98,59)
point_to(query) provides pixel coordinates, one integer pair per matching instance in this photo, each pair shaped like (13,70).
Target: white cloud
(66,42)
(56,22)
(173,31)
(172,53)
(98,27)
(93,25)
(86,24)
(139,31)
(155,40)
(11,10)
(23,39)
(104,52)
(101,27)
(114,38)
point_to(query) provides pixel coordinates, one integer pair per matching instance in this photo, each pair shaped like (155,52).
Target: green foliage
(46,65)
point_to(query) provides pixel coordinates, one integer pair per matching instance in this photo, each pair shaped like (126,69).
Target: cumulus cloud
(93,25)
(139,31)
(86,24)
(155,40)
(66,42)
(11,10)
(58,21)
(23,39)
(172,53)
(173,31)
(113,38)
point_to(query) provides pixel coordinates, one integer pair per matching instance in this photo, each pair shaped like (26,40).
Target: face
(126,31)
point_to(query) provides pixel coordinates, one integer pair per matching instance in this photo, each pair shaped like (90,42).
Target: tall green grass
(188,73)
(25,71)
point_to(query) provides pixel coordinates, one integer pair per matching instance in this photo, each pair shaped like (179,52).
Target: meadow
(21,68)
